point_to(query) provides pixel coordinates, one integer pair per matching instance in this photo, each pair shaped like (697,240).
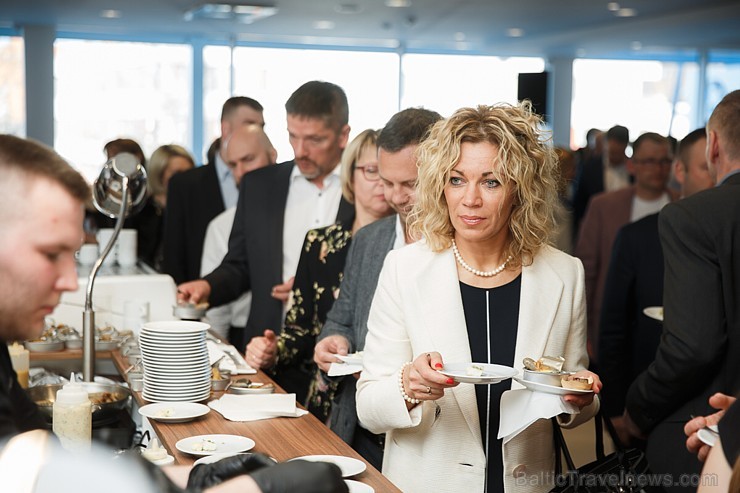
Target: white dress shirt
(229,190)
(400,240)
(215,246)
(308,207)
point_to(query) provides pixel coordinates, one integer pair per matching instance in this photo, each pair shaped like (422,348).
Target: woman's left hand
(583,400)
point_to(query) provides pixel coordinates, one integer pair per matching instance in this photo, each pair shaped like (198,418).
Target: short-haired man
(41,215)
(628,338)
(699,352)
(277,206)
(248,149)
(198,195)
(346,322)
(650,165)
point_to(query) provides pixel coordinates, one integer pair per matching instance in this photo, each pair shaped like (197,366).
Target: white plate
(176,327)
(357,487)
(348,465)
(209,459)
(225,444)
(655,312)
(491,373)
(178,412)
(706,436)
(154,397)
(351,359)
(550,389)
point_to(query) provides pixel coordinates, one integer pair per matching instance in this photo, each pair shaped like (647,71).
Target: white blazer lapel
(442,317)
(542,289)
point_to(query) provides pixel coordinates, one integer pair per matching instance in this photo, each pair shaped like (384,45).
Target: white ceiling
(552,28)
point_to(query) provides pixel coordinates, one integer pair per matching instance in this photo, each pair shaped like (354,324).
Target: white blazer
(418,308)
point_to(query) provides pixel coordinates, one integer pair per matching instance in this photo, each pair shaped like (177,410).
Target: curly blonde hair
(528,171)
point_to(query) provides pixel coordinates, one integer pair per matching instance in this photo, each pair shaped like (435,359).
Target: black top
(494,343)
(18,413)
(315,288)
(729,431)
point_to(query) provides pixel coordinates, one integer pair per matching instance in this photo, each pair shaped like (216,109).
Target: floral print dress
(315,289)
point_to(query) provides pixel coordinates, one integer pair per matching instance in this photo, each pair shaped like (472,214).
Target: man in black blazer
(699,353)
(277,206)
(198,195)
(628,338)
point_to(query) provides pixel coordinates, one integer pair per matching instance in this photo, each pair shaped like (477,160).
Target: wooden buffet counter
(281,438)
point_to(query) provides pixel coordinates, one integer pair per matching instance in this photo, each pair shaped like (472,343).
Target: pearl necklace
(481,273)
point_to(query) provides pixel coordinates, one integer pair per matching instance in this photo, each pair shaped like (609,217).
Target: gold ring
(429,390)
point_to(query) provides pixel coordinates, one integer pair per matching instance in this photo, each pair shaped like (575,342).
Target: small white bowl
(548,378)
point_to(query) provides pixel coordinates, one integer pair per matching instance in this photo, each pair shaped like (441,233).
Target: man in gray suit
(346,323)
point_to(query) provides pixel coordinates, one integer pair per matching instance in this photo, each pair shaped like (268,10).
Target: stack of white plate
(176,364)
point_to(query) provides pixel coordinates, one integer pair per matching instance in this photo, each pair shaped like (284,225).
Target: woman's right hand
(422,380)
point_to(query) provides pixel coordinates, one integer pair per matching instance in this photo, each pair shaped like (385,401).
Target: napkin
(256,407)
(520,408)
(216,351)
(340,369)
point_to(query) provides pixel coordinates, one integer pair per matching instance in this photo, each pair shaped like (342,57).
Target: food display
(546,364)
(205,445)
(165,413)
(548,371)
(577,383)
(246,386)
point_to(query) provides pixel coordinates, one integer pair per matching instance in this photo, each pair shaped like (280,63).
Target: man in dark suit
(196,196)
(277,206)
(628,338)
(605,173)
(699,353)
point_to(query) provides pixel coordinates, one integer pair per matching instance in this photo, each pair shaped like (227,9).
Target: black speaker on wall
(533,86)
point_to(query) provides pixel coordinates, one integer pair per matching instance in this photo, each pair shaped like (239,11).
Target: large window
(644,96)
(723,76)
(12,87)
(270,76)
(444,83)
(106,90)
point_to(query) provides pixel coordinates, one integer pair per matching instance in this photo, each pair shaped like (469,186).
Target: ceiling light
(626,13)
(348,8)
(110,14)
(241,12)
(612,6)
(515,32)
(323,25)
(398,3)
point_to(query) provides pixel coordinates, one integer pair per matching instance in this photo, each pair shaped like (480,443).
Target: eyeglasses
(655,162)
(370,172)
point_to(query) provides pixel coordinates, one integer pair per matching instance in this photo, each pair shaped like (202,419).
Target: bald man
(248,149)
